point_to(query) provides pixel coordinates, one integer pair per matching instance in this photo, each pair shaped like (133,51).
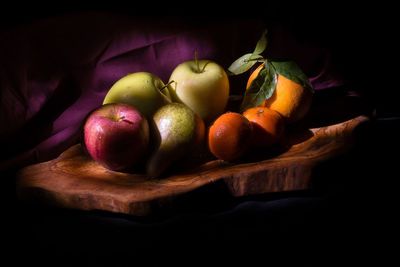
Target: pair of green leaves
(263,86)
(245,62)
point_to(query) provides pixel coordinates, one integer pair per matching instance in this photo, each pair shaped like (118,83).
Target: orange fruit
(290,99)
(229,136)
(268,125)
(253,75)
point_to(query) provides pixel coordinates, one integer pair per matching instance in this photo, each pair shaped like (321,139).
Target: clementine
(229,136)
(290,99)
(268,125)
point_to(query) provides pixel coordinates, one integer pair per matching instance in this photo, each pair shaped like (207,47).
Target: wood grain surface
(74,180)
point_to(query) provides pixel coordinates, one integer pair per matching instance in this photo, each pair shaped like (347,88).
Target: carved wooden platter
(73,180)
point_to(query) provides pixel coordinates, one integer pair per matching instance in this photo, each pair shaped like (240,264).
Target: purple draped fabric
(53,72)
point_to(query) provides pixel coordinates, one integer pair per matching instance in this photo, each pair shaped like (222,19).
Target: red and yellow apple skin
(116,135)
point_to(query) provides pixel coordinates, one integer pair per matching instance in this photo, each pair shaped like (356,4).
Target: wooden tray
(75,181)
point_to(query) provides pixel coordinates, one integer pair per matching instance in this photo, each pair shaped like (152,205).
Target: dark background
(361,36)
(347,219)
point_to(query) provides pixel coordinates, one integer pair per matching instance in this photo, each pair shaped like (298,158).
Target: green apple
(203,86)
(142,90)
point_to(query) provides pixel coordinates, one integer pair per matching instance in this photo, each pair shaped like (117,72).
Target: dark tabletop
(345,217)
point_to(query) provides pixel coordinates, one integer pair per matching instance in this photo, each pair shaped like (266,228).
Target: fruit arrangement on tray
(144,121)
(150,142)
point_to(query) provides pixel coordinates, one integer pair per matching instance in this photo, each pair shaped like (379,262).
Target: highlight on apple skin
(116,135)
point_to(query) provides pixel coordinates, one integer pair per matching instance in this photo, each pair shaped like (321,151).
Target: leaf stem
(258,59)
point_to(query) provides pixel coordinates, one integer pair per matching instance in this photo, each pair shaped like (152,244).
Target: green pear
(142,90)
(177,131)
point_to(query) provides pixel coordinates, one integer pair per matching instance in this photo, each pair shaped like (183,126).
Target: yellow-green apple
(203,86)
(142,90)
(116,135)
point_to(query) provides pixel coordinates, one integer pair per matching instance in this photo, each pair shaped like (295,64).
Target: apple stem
(122,118)
(169,83)
(204,67)
(196,61)
(128,121)
(198,65)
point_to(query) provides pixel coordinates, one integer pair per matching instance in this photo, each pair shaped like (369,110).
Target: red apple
(116,135)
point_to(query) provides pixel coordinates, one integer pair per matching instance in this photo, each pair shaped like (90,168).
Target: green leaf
(243,64)
(291,71)
(261,88)
(261,44)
